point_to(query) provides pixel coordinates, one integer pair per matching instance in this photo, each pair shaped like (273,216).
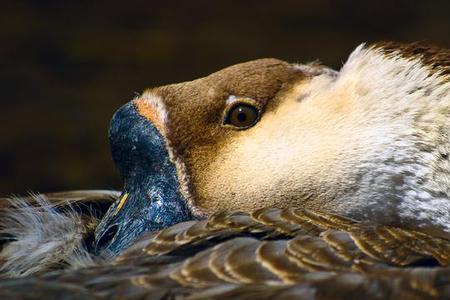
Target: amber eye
(242,116)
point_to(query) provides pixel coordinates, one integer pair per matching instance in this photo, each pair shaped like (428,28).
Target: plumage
(44,232)
(237,254)
(336,188)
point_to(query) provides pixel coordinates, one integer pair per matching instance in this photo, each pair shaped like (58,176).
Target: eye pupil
(242,117)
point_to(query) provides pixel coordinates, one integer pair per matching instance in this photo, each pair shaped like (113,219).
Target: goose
(265,180)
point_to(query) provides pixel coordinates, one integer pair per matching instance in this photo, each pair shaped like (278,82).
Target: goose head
(369,142)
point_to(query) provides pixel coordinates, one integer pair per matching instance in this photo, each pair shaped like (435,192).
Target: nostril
(107,237)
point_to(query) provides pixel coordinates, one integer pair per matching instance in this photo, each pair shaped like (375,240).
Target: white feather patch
(42,237)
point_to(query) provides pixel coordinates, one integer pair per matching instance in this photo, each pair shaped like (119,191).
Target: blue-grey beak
(151,199)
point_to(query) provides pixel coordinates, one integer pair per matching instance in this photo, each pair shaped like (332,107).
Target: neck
(401,111)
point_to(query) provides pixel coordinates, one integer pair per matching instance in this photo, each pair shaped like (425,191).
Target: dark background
(66,66)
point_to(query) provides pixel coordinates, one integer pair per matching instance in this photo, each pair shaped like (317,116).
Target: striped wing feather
(290,253)
(296,252)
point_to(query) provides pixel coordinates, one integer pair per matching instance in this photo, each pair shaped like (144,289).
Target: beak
(151,199)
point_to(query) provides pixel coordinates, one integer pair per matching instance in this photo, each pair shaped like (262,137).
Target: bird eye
(242,116)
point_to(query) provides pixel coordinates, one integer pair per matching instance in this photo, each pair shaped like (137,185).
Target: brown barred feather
(323,256)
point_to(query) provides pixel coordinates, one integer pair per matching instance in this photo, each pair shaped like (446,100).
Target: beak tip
(134,214)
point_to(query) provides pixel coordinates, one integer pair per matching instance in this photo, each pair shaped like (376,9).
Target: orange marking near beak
(121,203)
(145,110)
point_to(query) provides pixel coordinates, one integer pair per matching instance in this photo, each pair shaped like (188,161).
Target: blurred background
(67,66)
